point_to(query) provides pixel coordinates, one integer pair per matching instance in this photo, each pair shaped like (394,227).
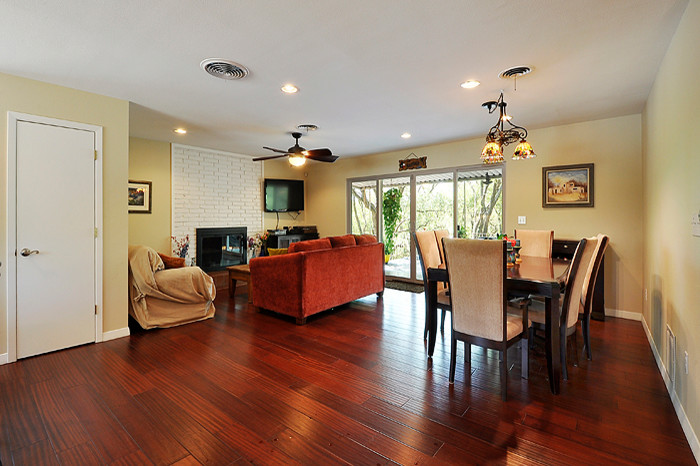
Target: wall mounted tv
(284,195)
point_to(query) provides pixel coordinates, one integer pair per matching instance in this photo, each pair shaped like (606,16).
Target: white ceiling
(367,70)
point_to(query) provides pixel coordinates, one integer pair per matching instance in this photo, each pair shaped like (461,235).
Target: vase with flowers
(180,246)
(257,245)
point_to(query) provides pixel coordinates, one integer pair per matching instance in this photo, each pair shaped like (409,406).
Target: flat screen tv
(284,195)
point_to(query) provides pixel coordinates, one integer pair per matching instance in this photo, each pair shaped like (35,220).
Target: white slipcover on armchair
(160,297)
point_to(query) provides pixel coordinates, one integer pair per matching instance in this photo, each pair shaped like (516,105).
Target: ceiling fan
(298,155)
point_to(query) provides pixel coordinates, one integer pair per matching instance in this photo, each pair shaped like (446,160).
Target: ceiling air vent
(514,72)
(224,69)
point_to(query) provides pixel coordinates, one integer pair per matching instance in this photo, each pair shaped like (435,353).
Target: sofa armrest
(277,282)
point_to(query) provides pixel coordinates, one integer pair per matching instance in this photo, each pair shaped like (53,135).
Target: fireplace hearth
(218,248)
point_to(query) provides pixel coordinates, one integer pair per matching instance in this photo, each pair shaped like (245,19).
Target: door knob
(26,252)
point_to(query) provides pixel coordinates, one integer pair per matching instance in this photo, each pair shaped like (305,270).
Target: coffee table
(239,272)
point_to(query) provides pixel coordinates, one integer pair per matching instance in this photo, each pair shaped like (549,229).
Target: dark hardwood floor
(353,386)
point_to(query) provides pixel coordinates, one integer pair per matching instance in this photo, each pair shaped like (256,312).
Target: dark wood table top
(532,269)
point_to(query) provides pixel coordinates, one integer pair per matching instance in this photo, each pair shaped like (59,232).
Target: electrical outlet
(686,363)
(521,220)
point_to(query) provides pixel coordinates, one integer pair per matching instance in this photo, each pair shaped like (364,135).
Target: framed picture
(567,186)
(140,197)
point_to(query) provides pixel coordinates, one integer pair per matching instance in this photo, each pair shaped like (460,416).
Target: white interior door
(55,237)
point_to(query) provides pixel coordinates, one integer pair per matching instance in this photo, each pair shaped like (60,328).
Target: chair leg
(562,354)
(425,329)
(525,355)
(586,329)
(504,373)
(453,358)
(442,322)
(575,342)
(467,354)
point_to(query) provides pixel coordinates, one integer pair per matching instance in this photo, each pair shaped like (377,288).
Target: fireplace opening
(218,248)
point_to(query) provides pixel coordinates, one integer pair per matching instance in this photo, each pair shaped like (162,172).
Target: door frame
(13,118)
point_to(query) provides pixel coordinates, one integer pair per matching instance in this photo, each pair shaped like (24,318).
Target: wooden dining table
(533,276)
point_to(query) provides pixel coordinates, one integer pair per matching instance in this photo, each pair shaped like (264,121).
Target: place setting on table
(525,275)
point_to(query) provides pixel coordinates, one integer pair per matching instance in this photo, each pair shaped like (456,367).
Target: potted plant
(391,212)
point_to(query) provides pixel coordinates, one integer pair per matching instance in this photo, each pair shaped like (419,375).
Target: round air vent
(224,69)
(514,72)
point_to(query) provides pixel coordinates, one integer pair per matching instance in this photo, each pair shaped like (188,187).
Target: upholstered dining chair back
(439,234)
(537,243)
(428,251)
(476,270)
(574,287)
(594,266)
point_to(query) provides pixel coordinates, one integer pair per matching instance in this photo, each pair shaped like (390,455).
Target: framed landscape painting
(567,186)
(140,197)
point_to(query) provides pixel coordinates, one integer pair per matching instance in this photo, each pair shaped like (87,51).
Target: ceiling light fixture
(498,136)
(180,131)
(289,89)
(470,84)
(297,159)
(406,135)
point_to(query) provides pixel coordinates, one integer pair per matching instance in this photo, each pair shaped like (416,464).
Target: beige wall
(282,170)
(150,161)
(37,98)
(672,198)
(614,145)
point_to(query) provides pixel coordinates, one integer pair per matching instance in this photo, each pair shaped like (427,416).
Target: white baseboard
(623,314)
(3,359)
(114,334)
(680,412)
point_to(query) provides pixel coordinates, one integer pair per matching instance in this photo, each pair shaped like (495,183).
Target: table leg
(552,334)
(432,316)
(232,288)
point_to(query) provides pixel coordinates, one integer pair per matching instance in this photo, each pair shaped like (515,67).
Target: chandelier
(499,136)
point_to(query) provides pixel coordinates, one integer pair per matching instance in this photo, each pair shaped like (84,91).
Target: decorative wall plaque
(413,162)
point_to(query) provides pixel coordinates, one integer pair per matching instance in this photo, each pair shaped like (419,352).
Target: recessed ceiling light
(470,84)
(289,89)
(180,131)
(406,135)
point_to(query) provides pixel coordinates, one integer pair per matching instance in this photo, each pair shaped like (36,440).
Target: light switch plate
(521,220)
(695,224)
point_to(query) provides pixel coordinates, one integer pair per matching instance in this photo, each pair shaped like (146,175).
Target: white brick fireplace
(214,189)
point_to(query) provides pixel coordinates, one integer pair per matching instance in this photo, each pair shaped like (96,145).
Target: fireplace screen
(218,248)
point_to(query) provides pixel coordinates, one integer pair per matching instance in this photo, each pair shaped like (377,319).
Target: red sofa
(317,275)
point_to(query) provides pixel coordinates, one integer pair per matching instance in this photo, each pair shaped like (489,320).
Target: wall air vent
(224,69)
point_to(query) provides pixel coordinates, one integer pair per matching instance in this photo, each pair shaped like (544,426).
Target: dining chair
(429,256)
(477,278)
(570,305)
(439,234)
(588,288)
(537,243)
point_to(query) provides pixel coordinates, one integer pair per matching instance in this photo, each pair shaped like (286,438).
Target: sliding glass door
(466,201)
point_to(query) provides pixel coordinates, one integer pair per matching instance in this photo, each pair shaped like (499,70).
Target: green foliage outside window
(391,211)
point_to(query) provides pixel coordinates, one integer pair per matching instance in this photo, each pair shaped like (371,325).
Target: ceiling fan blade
(257,159)
(275,150)
(323,158)
(322,155)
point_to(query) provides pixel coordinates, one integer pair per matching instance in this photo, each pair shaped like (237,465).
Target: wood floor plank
(352,386)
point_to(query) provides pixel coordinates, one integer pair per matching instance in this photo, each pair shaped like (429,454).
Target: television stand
(283,238)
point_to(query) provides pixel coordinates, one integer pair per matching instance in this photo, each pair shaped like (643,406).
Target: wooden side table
(239,272)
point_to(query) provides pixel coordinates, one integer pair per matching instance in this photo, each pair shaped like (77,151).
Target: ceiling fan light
(492,152)
(523,151)
(297,160)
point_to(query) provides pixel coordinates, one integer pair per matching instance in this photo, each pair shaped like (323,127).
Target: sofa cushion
(276,251)
(172,262)
(340,241)
(310,245)
(365,239)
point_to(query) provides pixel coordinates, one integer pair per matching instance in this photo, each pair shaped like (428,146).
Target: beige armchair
(160,297)
(477,278)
